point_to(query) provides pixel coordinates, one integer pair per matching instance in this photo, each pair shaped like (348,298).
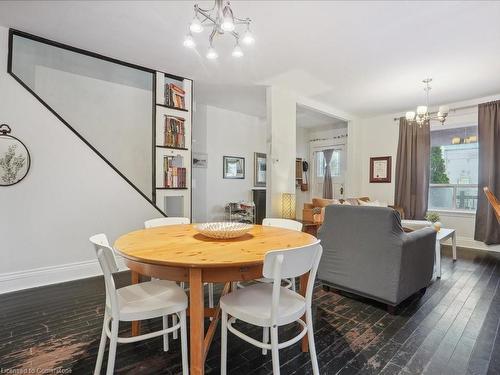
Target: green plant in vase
(433,217)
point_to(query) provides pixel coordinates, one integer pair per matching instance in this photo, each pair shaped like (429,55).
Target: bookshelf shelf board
(172,107)
(173,148)
(171,188)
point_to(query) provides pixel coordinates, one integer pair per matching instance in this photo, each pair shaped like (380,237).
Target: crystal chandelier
(422,115)
(221,20)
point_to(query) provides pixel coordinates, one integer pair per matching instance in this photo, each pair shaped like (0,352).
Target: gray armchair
(366,252)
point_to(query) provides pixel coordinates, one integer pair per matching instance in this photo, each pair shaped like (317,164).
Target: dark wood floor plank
(412,333)
(452,329)
(481,355)
(431,346)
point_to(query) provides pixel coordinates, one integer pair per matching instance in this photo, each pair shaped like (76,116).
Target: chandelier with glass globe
(221,20)
(422,116)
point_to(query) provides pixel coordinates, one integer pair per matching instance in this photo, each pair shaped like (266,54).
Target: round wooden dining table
(180,253)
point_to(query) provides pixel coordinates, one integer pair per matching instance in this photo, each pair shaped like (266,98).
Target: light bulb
(196,26)
(212,53)
(410,115)
(237,51)
(189,41)
(227,24)
(444,109)
(421,110)
(248,37)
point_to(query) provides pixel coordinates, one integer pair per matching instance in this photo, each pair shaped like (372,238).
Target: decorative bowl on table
(222,230)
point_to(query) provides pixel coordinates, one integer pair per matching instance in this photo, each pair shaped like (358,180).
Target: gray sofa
(366,252)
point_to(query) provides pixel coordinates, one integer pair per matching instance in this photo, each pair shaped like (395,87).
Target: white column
(281,147)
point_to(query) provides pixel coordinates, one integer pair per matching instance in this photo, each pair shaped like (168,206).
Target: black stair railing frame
(14,32)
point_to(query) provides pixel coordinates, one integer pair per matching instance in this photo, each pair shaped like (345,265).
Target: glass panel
(466,198)
(454,156)
(108,104)
(454,168)
(334,164)
(441,197)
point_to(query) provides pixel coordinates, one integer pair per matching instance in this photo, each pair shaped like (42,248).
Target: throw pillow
(372,203)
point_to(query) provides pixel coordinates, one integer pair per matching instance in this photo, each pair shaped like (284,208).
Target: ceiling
(248,99)
(308,118)
(366,58)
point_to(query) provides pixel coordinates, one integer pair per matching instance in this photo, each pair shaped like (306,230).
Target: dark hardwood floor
(452,329)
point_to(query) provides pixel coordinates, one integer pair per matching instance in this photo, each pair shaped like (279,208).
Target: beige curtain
(327,183)
(413,169)
(487,227)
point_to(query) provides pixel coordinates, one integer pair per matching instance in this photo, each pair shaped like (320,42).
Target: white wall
(68,195)
(199,179)
(378,136)
(281,145)
(114,117)
(220,132)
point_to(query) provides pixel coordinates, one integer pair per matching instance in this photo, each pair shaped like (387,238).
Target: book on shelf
(174,132)
(174,173)
(175,96)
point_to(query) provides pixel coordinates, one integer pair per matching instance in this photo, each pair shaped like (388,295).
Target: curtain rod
(451,110)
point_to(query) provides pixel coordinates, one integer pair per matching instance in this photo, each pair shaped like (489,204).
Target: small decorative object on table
(433,217)
(241,212)
(223,231)
(14,158)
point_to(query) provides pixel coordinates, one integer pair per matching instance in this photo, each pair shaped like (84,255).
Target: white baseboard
(470,243)
(13,281)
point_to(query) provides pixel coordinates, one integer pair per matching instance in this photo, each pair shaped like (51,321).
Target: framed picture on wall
(233,167)
(380,169)
(260,167)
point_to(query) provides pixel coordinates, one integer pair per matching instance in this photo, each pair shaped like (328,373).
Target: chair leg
(210,295)
(102,347)
(293,284)
(265,338)
(275,351)
(310,338)
(112,346)
(223,344)
(175,334)
(165,336)
(184,349)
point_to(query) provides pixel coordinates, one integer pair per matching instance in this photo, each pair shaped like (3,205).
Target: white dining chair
(286,224)
(148,300)
(280,223)
(271,305)
(164,221)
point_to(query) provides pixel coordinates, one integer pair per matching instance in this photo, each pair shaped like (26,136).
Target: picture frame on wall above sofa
(380,169)
(233,167)
(260,168)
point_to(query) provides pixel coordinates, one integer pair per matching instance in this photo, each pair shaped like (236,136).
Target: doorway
(316,133)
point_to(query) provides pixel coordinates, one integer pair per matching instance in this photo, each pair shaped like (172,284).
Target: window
(334,164)
(454,169)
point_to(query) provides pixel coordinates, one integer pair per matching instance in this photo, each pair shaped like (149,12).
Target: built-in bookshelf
(172,180)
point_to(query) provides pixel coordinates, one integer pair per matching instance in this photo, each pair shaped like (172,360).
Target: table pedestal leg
(136,325)
(438,259)
(196,323)
(454,245)
(303,286)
